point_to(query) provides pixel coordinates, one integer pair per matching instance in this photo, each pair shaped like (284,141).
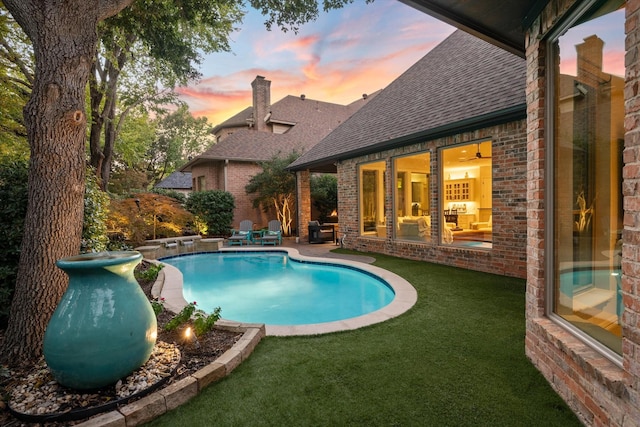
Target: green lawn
(455,359)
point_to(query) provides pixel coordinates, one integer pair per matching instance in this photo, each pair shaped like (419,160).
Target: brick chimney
(261,101)
(590,60)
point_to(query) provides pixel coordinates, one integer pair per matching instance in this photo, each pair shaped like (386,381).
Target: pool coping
(405,295)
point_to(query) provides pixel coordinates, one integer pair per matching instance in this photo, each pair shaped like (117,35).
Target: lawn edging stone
(180,392)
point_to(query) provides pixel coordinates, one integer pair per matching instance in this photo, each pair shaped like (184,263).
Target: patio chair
(273,236)
(242,235)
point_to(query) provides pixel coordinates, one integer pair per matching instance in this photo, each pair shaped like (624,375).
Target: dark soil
(209,347)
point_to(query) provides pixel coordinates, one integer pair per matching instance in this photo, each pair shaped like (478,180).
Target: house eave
(518,112)
(505,30)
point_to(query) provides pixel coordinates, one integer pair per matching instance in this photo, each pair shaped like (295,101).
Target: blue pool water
(274,289)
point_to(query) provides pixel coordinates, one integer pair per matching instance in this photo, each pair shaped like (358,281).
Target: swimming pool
(271,287)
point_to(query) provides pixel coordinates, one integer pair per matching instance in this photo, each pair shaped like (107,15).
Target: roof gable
(312,121)
(463,81)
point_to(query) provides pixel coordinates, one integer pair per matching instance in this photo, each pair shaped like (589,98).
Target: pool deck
(405,294)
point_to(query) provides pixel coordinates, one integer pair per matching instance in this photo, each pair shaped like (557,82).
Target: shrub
(202,322)
(147,216)
(150,274)
(180,197)
(214,209)
(96,210)
(13,193)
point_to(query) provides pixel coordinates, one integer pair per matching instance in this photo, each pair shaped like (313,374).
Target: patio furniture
(273,236)
(321,233)
(242,235)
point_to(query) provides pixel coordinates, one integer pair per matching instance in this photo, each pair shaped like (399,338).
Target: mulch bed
(194,357)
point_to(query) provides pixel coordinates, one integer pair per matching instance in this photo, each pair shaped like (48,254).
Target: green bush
(13,193)
(150,274)
(214,209)
(96,209)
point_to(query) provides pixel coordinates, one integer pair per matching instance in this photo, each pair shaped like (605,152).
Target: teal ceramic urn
(104,327)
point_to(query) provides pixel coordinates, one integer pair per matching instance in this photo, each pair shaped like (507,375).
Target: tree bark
(64,40)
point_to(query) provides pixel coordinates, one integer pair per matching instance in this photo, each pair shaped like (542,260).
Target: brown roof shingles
(463,81)
(313,121)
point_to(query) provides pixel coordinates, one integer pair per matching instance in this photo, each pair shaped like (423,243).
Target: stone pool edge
(405,295)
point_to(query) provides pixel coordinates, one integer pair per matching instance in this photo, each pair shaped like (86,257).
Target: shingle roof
(177,180)
(463,83)
(313,121)
(239,119)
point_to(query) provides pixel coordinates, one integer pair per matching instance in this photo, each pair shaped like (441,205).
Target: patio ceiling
(500,22)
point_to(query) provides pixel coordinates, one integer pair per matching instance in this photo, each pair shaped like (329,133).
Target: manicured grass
(455,359)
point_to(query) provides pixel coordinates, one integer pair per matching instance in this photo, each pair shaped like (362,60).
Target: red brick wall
(238,176)
(508,256)
(598,390)
(303,181)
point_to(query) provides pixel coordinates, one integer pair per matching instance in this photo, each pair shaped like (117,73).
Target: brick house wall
(599,391)
(508,255)
(303,190)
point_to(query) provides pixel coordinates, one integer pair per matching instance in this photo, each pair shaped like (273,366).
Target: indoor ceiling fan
(478,155)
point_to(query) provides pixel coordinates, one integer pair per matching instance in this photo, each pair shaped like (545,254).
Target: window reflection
(589,132)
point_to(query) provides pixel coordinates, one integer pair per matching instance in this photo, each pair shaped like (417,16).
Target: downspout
(226,176)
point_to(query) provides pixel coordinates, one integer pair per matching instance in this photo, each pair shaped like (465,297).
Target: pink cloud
(335,61)
(218,97)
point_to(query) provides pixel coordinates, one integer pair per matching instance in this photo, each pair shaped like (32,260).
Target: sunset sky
(348,52)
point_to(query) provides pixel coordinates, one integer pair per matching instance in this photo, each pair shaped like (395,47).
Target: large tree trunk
(64,40)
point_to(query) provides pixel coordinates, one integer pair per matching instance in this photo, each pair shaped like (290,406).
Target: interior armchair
(483,225)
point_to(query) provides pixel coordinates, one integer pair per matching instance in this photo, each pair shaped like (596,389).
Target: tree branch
(108,8)
(14,58)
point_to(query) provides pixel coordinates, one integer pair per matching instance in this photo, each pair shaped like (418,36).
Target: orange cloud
(337,61)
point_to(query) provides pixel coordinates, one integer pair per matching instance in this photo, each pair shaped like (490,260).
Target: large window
(412,197)
(372,189)
(587,86)
(466,202)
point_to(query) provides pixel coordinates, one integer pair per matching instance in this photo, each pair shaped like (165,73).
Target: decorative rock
(38,394)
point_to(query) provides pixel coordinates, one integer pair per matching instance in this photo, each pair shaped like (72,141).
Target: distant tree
(179,136)
(213,210)
(324,193)
(16,80)
(275,188)
(167,40)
